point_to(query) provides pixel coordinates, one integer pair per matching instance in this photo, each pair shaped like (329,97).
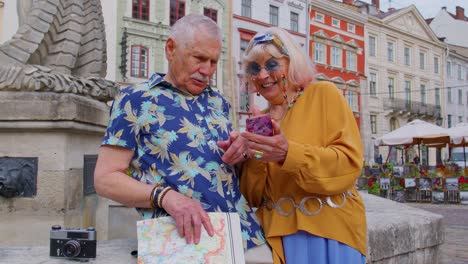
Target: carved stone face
(16,178)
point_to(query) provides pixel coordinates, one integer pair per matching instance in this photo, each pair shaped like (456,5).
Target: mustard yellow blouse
(324,159)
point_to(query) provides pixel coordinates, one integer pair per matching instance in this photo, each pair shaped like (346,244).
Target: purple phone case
(260,125)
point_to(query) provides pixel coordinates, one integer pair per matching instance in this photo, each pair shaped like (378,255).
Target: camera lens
(71,249)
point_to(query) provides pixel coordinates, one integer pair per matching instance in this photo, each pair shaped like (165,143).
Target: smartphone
(260,125)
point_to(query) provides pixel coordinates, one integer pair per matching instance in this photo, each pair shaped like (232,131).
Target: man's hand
(236,148)
(189,216)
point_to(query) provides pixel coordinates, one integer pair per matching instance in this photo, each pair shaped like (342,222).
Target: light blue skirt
(305,248)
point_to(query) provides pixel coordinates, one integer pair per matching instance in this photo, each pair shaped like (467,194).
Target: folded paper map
(159,242)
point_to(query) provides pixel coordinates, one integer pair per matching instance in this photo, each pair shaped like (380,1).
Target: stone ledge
(397,233)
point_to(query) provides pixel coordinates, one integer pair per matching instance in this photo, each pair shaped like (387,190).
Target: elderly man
(172,135)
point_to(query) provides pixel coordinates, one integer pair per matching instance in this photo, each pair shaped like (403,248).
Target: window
(449,94)
(373,124)
(423,94)
(393,124)
(408,93)
(351,97)
(373,84)
(351,28)
(460,99)
(211,13)
(177,11)
(243,46)
(437,97)
(274,13)
(460,119)
(319,52)
(459,72)
(319,17)
(351,60)
(246,9)
(422,60)
(449,121)
(391,88)
(449,69)
(335,22)
(372,47)
(390,53)
(140,9)
(407,56)
(139,62)
(436,65)
(294,21)
(336,57)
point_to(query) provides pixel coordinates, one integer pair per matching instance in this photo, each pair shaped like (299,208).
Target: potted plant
(463,184)
(373,187)
(398,190)
(437,190)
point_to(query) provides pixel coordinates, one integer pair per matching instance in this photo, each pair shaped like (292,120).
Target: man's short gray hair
(185,28)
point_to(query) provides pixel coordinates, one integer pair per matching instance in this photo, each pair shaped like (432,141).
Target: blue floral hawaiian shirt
(173,135)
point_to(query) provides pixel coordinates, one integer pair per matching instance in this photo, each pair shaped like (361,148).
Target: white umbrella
(415,132)
(459,137)
(459,134)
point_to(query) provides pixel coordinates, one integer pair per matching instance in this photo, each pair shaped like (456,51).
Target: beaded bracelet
(162,194)
(154,195)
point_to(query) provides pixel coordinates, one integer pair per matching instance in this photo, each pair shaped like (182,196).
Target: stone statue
(60,47)
(17,177)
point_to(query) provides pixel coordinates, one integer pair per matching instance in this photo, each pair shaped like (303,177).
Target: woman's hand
(274,148)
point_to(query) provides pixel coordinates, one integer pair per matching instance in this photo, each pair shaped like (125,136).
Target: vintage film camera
(73,243)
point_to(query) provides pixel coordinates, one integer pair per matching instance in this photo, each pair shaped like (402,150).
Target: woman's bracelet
(161,196)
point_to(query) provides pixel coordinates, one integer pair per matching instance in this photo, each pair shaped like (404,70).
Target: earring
(258,94)
(283,80)
(253,79)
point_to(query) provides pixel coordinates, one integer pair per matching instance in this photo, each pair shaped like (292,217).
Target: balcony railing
(412,108)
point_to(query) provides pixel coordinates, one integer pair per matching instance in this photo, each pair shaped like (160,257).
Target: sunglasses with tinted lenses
(271,65)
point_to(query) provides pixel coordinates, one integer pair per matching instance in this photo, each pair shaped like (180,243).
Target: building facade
(453,28)
(337,48)
(250,17)
(456,86)
(142,28)
(405,62)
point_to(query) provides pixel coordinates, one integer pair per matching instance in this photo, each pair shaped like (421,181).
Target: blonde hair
(301,69)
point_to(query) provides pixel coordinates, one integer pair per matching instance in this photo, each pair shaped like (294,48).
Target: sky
(428,8)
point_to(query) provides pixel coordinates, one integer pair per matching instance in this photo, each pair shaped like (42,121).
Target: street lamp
(439,120)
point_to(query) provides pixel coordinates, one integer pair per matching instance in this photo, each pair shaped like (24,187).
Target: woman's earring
(258,94)
(283,80)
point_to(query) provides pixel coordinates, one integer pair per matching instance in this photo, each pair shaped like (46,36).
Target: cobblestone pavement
(455,248)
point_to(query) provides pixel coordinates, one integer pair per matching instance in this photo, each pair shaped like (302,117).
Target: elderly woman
(302,178)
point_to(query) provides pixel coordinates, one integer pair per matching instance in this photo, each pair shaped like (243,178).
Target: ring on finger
(244,155)
(258,154)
